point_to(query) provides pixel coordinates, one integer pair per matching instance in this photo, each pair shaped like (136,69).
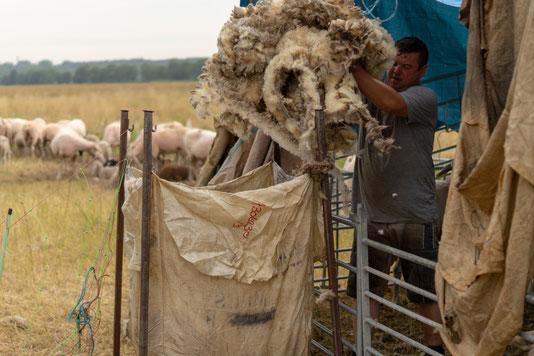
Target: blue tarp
(436,23)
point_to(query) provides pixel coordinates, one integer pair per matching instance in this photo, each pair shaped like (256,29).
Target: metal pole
(145,243)
(320,156)
(364,330)
(4,246)
(120,235)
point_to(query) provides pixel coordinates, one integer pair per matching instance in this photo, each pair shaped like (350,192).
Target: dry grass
(99,104)
(59,230)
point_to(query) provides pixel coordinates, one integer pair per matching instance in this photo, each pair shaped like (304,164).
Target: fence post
(364,330)
(145,243)
(320,156)
(120,235)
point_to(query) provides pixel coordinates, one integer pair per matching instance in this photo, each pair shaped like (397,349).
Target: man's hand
(380,94)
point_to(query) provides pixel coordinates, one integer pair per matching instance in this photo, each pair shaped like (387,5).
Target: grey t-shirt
(399,186)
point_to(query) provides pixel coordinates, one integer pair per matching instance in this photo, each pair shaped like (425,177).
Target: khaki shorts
(418,239)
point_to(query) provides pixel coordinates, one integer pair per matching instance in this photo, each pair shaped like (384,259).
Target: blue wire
(83,318)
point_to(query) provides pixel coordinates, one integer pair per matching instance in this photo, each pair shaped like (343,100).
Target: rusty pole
(145,242)
(120,235)
(320,156)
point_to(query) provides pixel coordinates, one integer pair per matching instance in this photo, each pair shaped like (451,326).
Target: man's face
(405,71)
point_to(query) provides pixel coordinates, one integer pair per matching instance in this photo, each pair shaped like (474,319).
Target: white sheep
(66,146)
(33,132)
(112,134)
(75,124)
(16,136)
(5,148)
(197,143)
(5,129)
(168,139)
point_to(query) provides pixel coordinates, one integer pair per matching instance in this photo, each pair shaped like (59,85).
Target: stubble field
(60,230)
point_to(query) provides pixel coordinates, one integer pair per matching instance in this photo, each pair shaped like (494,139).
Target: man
(398,188)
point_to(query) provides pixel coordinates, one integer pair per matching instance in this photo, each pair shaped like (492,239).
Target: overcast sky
(83,30)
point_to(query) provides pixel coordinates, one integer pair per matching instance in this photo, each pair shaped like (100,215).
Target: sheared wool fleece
(279,61)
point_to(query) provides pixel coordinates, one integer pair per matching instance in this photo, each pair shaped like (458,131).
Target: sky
(82,30)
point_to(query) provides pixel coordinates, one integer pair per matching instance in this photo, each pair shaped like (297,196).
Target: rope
(318,170)
(369,10)
(82,316)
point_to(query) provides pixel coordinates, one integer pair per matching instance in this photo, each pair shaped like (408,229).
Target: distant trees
(45,72)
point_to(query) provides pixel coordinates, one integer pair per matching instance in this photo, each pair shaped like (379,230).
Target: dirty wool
(280,61)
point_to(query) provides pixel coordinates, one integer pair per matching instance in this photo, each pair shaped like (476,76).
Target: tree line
(136,70)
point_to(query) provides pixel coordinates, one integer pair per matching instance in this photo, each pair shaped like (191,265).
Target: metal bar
(4,245)
(120,235)
(348,308)
(322,348)
(345,221)
(404,311)
(445,76)
(326,330)
(444,149)
(373,351)
(399,253)
(145,243)
(402,337)
(321,155)
(527,336)
(403,284)
(364,331)
(347,266)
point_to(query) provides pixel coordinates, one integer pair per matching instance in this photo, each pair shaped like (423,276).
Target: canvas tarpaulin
(486,255)
(231,265)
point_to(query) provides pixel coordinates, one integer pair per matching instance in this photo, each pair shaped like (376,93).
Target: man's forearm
(380,94)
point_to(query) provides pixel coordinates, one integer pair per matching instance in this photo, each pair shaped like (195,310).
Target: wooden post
(120,235)
(145,243)
(320,156)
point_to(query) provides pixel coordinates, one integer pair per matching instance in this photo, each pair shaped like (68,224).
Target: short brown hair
(413,45)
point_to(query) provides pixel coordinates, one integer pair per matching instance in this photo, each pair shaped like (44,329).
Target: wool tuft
(279,61)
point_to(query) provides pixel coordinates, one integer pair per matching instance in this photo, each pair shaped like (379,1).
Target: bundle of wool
(279,61)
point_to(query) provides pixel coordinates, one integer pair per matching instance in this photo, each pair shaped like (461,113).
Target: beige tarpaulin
(231,265)
(486,253)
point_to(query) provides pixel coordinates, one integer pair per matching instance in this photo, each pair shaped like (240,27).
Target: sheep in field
(5,148)
(67,144)
(168,139)
(197,143)
(75,124)
(33,132)
(5,129)
(112,134)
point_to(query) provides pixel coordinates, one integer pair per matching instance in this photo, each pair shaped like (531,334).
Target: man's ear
(422,71)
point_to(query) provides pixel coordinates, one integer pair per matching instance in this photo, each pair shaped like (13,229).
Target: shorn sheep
(66,146)
(112,134)
(5,149)
(279,61)
(197,143)
(33,132)
(168,139)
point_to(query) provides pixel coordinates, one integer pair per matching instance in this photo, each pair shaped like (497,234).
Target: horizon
(62,30)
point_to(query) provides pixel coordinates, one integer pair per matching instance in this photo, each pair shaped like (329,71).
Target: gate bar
(120,235)
(145,242)
(320,156)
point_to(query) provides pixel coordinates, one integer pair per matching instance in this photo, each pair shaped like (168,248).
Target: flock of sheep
(67,141)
